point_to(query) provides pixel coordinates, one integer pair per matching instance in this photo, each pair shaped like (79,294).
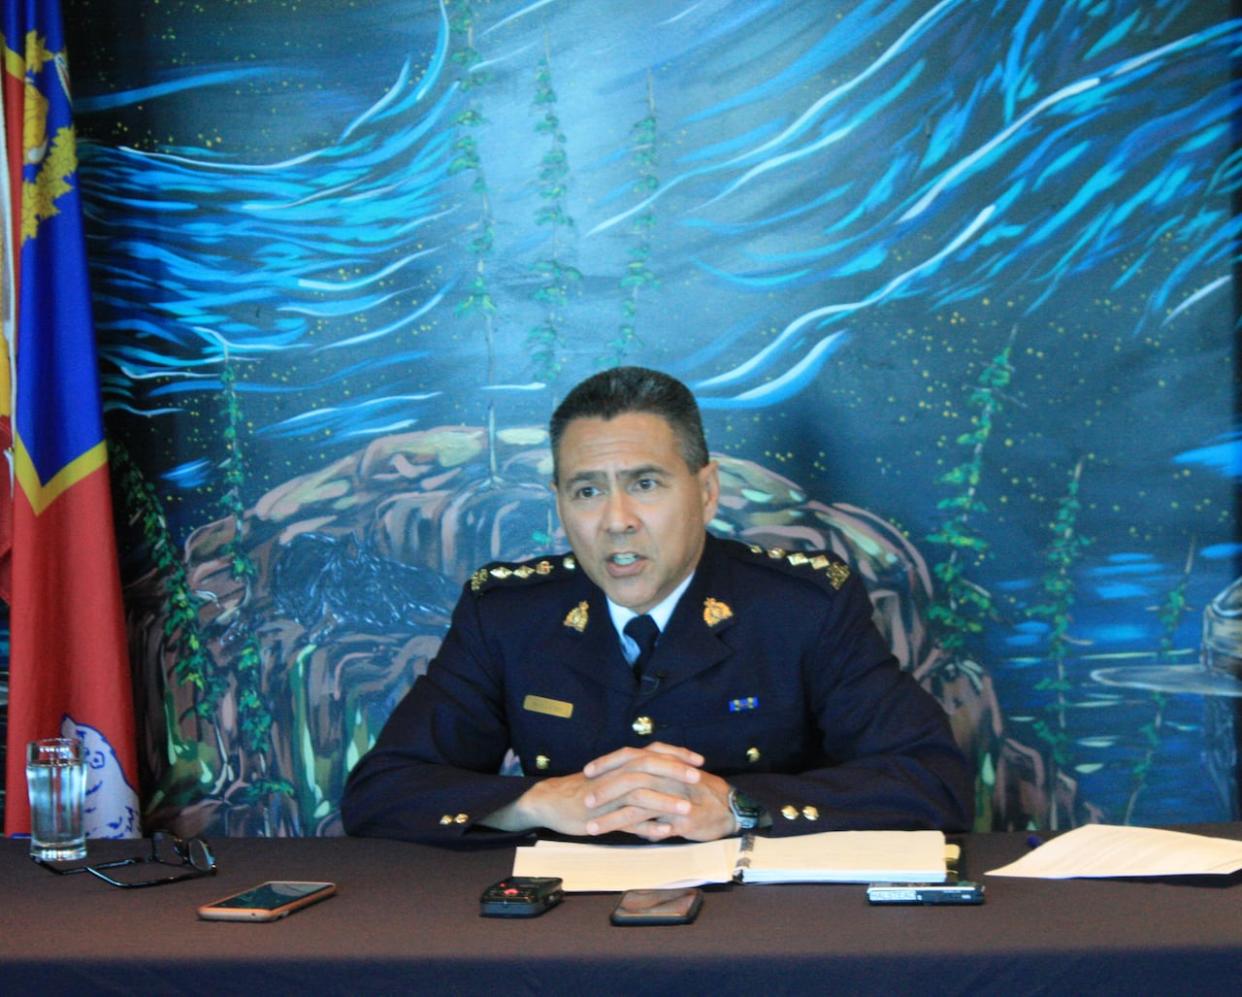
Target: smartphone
(266,902)
(658,906)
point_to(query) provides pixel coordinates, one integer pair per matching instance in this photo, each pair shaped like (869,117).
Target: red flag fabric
(69,671)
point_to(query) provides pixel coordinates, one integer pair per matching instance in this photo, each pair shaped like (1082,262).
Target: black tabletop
(406,920)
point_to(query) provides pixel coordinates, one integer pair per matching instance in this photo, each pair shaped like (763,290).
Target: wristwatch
(746,811)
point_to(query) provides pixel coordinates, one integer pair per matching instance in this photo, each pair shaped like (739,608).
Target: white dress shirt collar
(661,613)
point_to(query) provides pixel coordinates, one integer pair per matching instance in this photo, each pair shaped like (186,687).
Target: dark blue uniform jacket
(770,667)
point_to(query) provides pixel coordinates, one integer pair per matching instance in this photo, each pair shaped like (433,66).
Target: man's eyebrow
(581,476)
(627,474)
(646,471)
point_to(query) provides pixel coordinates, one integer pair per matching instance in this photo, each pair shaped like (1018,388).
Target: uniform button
(642,725)
(542,762)
(461,818)
(446,819)
(810,813)
(752,755)
(789,812)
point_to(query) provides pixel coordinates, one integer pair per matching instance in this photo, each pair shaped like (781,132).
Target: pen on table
(1033,841)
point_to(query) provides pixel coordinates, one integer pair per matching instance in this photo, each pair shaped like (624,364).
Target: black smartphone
(658,906)
(266,902)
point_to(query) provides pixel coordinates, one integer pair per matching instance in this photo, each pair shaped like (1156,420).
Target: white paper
(589,868)
(1099,850)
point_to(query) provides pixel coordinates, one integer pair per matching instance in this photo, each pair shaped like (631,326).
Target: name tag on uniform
(551,707)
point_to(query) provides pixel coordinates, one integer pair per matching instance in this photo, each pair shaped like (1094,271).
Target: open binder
(826,857)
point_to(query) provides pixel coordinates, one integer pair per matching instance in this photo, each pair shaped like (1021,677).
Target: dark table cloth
(406,920)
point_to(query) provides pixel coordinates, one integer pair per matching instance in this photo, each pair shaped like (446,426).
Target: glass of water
(56,779)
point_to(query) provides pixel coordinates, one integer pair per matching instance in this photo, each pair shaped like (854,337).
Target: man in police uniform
(769,699)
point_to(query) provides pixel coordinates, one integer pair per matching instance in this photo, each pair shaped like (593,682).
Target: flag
(69,671)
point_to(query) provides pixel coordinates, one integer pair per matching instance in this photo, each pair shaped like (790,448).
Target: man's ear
(709,482)
(556,497)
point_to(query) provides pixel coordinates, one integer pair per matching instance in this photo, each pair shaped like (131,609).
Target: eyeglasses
(166,849)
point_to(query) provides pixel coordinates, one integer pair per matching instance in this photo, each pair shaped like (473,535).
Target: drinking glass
(56,781)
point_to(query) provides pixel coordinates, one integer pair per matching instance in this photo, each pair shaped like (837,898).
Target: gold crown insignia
(715,611)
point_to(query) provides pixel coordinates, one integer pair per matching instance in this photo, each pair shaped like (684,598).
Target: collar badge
(577,617)
(715,611)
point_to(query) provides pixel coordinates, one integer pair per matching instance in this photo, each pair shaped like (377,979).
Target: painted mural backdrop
(952,280)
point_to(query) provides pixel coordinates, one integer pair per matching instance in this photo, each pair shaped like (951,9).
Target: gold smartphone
(268,901)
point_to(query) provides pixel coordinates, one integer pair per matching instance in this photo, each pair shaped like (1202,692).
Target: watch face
(745,810)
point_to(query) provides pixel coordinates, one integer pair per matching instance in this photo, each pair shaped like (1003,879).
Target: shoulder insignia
(715,611)
(578,617)
(811,562)
(491,575)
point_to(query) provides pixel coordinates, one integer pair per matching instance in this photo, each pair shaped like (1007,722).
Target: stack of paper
(1097,850)
(828,857)
(846,857)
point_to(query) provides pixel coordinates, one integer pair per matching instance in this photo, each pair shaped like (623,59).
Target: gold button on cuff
(446,819)
(542,762)
(752,755)
(461,818)
(789,812)
(642,725)
(810,813)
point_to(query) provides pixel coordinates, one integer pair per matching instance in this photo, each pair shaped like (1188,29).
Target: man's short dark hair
(619,390)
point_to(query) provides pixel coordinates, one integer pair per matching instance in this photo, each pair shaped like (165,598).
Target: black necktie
(642,630)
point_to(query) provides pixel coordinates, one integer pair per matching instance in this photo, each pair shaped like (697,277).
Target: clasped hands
(657,792)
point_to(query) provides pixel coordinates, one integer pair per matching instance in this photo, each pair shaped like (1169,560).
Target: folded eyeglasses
(166,849)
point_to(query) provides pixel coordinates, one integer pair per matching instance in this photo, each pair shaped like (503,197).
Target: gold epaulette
(499,573)
(818,565)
